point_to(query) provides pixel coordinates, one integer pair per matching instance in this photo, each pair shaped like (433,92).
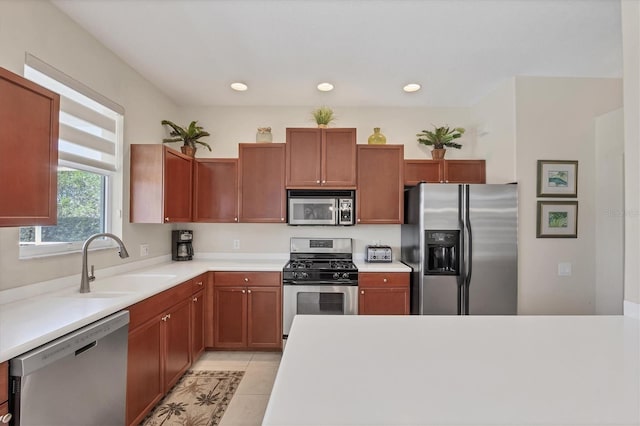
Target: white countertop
(34,315)
(426,370)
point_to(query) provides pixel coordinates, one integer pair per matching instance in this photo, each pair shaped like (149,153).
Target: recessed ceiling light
(240,87)
(325,87)
(411,87)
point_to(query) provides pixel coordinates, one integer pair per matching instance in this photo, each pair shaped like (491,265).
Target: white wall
(495,120)
(555,120)
(40,28)
(609,202)
(631,55)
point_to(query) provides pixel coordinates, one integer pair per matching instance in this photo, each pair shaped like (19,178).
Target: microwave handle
(335,217)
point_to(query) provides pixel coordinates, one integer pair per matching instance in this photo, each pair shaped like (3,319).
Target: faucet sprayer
(86,278)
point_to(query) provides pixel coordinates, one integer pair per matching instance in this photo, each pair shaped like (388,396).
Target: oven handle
(294,282)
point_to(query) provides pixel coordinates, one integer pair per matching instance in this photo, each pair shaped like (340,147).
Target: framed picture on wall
(557,178)
(557,219)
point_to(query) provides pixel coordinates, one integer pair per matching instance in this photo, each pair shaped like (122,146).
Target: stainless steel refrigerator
(461,241)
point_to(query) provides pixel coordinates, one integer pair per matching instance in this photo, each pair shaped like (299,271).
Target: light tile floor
(250,400)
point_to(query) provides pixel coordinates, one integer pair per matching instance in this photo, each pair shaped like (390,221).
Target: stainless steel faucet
(86,278)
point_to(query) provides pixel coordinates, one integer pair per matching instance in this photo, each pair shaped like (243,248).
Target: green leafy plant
(323,115)
(189,136)
(441,137)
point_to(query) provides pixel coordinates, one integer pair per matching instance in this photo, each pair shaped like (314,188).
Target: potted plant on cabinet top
(439,138)
(189,136)
(323,116)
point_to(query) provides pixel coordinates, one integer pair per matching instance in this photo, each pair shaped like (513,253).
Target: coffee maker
(181,247)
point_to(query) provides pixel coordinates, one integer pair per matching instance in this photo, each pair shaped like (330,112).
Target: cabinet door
(177,187)
(144,370)
(416,171)
(262,180)
(209,311)
(215,190)
(380,184)
(383,301)
(264,317)
(465,171)
(197,325)
(28,152)
(230,317)
(339,158)
(177,330)
(303,158)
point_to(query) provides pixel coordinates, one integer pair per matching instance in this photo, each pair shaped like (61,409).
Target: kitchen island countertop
(450,370)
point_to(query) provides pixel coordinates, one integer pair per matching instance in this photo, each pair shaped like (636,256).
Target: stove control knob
(304,275)
(345,275)
(336,276)
(294,274)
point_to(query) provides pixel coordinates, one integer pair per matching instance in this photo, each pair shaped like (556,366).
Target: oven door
(317,300)
(313,211)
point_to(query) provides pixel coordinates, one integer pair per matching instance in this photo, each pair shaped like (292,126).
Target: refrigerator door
(492,287)
(439,294)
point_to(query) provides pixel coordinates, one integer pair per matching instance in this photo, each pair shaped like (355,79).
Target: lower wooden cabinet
(160,348)
(247,310)
(5,417)
(382,293)
(197,324)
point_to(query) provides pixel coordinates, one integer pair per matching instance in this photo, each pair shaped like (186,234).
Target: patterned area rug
(198,399)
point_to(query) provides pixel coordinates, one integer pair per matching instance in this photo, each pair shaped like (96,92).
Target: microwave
(320,207)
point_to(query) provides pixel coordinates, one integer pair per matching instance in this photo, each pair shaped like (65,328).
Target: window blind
(90,124)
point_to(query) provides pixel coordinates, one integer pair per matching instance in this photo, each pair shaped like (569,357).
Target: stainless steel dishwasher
(78,379)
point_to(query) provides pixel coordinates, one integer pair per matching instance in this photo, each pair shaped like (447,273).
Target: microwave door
(312,211)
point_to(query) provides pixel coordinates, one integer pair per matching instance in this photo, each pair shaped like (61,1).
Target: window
(89,167)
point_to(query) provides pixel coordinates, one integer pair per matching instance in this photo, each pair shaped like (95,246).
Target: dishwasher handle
(73,343)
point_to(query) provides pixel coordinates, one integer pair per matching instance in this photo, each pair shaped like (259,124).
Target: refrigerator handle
(469,250)
(462,270)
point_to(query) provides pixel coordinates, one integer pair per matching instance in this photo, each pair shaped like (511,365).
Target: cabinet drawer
(234,279)
(4,382)
(199,282)
(143,311)
(383,279)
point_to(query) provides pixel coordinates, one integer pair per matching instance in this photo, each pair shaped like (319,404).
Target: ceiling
(458,50)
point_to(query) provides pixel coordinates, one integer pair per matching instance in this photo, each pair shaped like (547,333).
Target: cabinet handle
(384,280)
(166,219)
(246,280)
(361,291)
(446,181)
(317,181)
(164,318)
(282,219)
(358,219)
(6,418)
(249,291)
(199,283)
(244,291)
(324,181)
(195,299)
(235,219)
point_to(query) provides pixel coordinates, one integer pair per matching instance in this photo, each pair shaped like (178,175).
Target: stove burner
(300,264)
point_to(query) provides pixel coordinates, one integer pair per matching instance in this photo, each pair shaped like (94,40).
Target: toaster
(378,254)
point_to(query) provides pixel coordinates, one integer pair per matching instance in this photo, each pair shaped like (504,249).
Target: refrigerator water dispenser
(442,256)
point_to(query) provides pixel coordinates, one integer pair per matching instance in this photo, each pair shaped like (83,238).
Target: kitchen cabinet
(248,310)
(159,348)
(5,417)
(380,191)
(29,117)
(321,158)
(161,185)
(444,171)
(198,301)
(383,293)
(262,176)
(215,189)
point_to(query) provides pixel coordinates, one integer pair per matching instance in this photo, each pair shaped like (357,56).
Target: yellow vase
(377,138)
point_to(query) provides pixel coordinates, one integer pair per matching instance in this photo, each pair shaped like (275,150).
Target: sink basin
(95,294)
(129,282)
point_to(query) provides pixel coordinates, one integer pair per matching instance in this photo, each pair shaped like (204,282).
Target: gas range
(318,261)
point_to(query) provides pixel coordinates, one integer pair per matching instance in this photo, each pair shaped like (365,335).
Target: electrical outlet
(144,250)
(236,244)
(564,269)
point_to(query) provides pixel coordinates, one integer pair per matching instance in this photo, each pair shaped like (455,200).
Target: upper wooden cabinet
(444,171)
(29,117)
(262,193)
(215,190)
(321,158)
(161,184)
(380,195)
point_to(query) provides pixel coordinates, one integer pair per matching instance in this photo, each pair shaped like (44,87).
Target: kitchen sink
(129,282)
(95,294)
